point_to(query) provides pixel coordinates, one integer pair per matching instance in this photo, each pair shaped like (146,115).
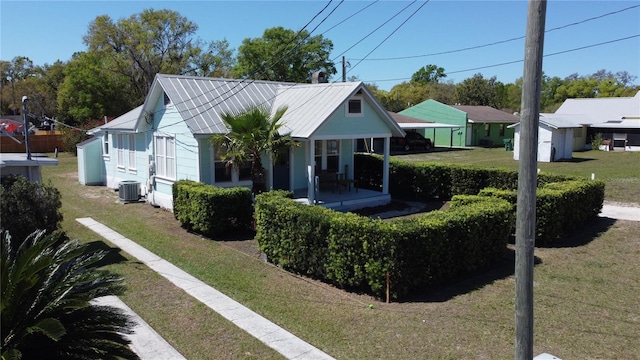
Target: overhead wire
(497,42)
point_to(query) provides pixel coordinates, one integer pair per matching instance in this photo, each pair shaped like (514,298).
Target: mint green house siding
(434,111)
(490,134)
(343,125)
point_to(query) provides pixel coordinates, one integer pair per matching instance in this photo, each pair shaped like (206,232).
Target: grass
(619,170)
(586,294)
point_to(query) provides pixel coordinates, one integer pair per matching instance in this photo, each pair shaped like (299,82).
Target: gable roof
(557,121)
(125,122)
(601,110)
(310,105)
(486,114)
(201,101)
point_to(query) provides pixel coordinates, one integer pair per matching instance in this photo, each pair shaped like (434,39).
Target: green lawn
(586,291)
(619,170)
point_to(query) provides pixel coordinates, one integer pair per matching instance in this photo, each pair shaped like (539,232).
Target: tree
(19,69)
(428,74)
(253,132)
(90,91)
(216,61)
(283,55)
(480,91)
(47,286)
(28,206)
(143,45)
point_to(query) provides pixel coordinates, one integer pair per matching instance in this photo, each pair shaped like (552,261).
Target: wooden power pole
(527,178)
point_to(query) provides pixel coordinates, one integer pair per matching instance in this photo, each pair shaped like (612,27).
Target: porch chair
(343,180)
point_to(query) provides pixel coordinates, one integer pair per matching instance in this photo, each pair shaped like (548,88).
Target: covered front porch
(344,200)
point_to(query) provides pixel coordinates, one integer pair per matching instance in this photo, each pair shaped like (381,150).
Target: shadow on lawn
(113,256)
(506,268)
(583,235)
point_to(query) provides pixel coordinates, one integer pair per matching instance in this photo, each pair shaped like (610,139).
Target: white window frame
(165,156)
(105,142)
(120,146)
(347,108)
(322,153)
(234,172)
(132,152)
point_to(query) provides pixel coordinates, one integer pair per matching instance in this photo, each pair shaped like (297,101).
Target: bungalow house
(556,134)
(167,138)
(616,119)
(472,125)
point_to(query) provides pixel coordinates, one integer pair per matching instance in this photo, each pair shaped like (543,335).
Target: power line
(350,16)
(393,32)
(519,61)
(496,42)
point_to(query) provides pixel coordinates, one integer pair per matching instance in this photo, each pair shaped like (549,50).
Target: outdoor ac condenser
(129,190)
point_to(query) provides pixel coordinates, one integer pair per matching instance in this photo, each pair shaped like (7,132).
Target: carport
(408,123)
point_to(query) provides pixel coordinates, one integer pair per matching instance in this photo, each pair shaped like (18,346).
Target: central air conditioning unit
(129,191)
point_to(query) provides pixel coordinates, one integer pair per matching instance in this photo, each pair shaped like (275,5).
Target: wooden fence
(39,143)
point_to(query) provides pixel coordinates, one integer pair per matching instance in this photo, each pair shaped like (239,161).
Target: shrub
(210,210)
(28,206)
(47,285)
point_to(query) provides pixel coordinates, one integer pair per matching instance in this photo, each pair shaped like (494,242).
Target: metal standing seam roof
(310,105)
(486,114)
(125,122)
(558,121)
(601,110)
(200,100)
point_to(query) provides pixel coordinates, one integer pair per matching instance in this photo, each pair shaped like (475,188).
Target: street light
(26,126)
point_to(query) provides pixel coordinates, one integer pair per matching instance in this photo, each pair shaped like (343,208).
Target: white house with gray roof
(167,138)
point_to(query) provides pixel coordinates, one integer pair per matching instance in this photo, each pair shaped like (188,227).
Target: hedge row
(357,252)
(426,181)
(210,210)
(560,206)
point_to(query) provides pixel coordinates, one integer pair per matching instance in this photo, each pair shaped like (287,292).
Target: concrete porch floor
(345,200)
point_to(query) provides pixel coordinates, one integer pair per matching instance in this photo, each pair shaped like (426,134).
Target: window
(120,146)
(501,129)
(354,107)
(327,155)
(486,130)
(106,143)
(166,157)
(132,151)
(228,173)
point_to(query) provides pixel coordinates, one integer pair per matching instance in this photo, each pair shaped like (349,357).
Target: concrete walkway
(620,211)
(145,341)
(287,344)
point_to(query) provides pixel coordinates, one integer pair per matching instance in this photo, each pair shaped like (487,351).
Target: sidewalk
(620,211)
(287,344)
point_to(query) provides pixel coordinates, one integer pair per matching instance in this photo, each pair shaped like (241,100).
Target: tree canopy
(428,74)
(284,55)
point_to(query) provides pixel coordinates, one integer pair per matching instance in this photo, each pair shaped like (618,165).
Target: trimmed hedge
(357,252)
(210,210)
(427,180)
(560,206)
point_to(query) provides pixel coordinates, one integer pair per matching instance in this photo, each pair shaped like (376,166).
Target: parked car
(412,141)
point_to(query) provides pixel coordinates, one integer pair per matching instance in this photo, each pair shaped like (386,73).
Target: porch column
(311,170)
(385,166)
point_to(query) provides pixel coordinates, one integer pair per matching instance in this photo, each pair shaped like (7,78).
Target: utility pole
(344,70)
(26,126)
(527,178)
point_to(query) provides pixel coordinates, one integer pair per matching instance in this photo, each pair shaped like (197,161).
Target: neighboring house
(472,125)
(555,138)
(487,126)
(167,138)
(18,164)
(616,119)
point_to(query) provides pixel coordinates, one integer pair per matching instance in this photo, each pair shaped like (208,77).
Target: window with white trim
(165,156)
(327,155)
(354,107)
(120,146)
(105,140)
(224,172)
(132,151)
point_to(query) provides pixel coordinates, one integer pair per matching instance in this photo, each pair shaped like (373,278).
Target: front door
(281,171)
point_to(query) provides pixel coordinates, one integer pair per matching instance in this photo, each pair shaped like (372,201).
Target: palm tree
(47,286)
(252,133)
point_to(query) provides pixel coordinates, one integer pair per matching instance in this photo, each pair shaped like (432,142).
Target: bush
(28,206)
(210,210)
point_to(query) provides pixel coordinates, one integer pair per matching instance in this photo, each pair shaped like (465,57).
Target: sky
(381,43)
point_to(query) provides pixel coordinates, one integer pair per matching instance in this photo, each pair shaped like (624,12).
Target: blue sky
(46,31)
